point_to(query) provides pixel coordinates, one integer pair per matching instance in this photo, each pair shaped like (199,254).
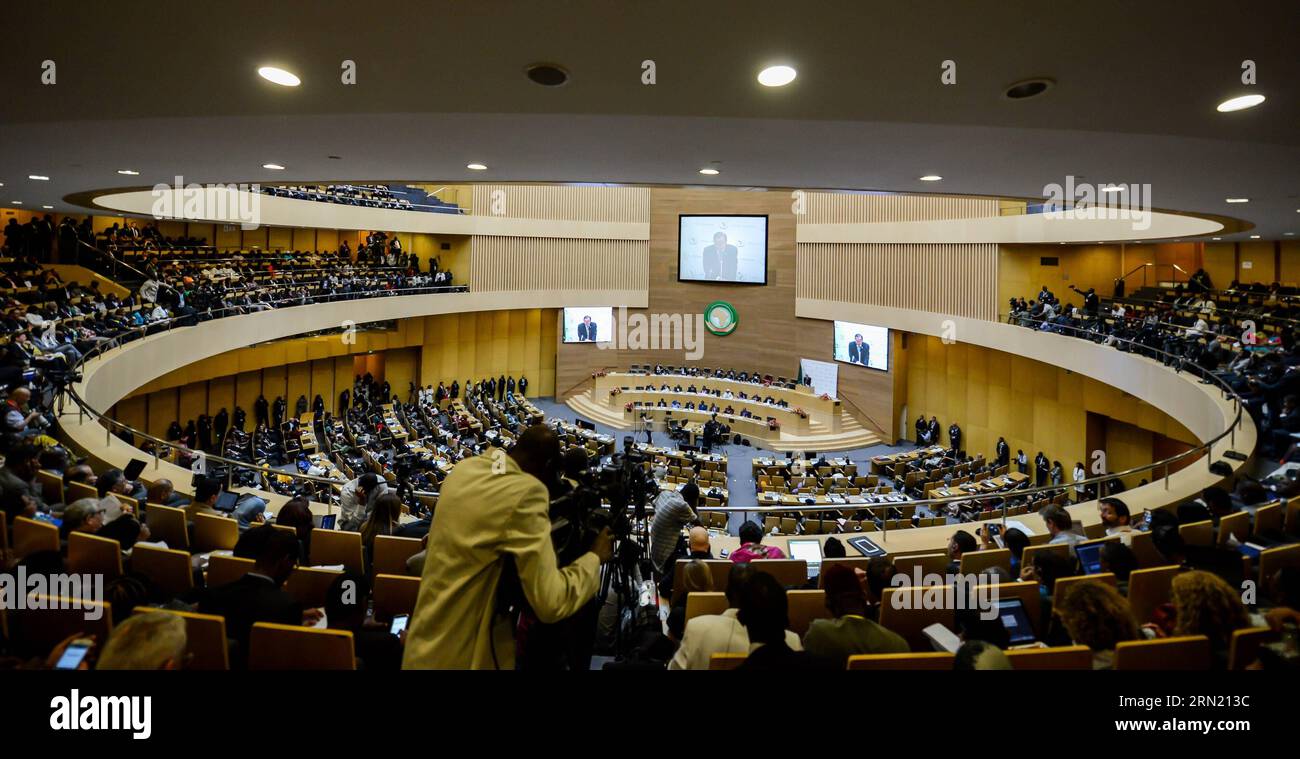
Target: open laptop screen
(1089,557)
(808,550)
(1012,614)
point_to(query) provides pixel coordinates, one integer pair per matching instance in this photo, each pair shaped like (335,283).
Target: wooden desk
(825,411)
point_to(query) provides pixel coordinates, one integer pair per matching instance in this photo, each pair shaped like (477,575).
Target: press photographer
(493,510)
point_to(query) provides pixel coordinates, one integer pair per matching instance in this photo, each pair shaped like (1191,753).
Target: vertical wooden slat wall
(627,204)
(543,263)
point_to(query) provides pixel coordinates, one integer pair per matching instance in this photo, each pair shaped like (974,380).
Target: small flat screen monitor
(862,345)
(588,324)
(729,249)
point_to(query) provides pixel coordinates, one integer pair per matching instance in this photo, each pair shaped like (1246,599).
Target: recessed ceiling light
(709,172)
(47,206)
(931,178)
(1254,237)
(16,202)
(1027,88)
(273,166)
(547,74)
(279,76)
(1240,103)
(1236,200)
(128,172)
(1216,238)
(476,166)
(776,76)
(1289,234)
(38,177)
(1114,188)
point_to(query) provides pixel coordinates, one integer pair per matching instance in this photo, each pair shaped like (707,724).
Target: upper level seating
(369,196)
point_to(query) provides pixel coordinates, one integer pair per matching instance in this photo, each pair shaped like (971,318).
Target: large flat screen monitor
(588,324)
(722,249)
(862,344)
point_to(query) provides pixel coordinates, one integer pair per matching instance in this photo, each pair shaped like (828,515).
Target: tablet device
(226,501)
(865,546)
(1014,618)
(1089,557)
(133,469)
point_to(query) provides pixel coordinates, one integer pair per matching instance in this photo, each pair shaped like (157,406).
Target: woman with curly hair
(1205,604)
(1097,616)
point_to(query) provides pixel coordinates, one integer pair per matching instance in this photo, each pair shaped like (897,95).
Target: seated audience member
(18,476)
(876,579)
(1059,522)
(961,542)
(358,498)
(258,595)
(345,609)
(1046,569)
(765,613)
(720,633)
(111,484)
(297,514)
(850,632)
(150,640)
(751,545)
(699,544)
(383,520)
(1095,615)
(1115,517)
(1119,560)
(1204,604)
(88,515)
(980,655)
(205,498)
(164,493)
(696,578)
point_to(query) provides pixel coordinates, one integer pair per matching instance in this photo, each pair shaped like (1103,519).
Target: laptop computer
(1014,618)
(1089,557)
(226,501)
(325,521)
(808,549)
(133,469)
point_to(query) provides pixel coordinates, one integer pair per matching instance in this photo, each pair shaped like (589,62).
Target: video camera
(579,515)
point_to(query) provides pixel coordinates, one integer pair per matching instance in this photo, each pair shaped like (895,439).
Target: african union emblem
(720,318)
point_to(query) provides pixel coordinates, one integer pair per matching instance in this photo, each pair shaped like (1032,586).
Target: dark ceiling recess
(1028,88)
(547,74)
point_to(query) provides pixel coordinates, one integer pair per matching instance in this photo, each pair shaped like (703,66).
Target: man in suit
(523,385)
(721,633)
(720,259)
(501,388)
(587,330)
(257,596)
(1004,452)
(859,351)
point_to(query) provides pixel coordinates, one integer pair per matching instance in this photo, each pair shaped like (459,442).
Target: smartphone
(724,553)
(75,653)
(399,624)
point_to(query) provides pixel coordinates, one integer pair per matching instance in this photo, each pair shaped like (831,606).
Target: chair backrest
(391,553)
(1144,548)
(31,535)
(1243,650)
(928,661)
(167,568)
(272,646)
(974,562)
(1268,519)
(75,491)
(1234,525)
(726,661)
(699,604)
(805,606)
(214,533)
(930,564)
(395,594)
(1197,533)
(205,639)
(788,572)
(1027,557)
(1064,584)
(1148,589)
(1291,522)
(1273,559)
(1191,652)
(45,621)
(168,524)
(852,562)
(224,569)
(330,547)
(51,486)
(904,610)
(91,554)
(308,586)
(1062,657)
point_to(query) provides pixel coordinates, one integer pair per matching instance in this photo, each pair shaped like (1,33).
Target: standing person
(1022,461)
(493,512)
(1003,452)
(1080,474)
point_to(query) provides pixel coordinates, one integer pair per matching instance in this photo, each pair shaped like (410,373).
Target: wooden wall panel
(543,263)
(860,208)
(629,204)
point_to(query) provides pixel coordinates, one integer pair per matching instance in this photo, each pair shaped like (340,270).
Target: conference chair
(169,525)
(391,553)
(214,533)
(926,661)
(1291,522)
(51,486)
(726,661)
(91,554)
(974,562)
(167,568)
(1064,584)
(1027,556)
(699,604)
(929,563)
(791,573)
(47,621)
(205,640)
(1062,657)
(31,536)
(309,585)
(1197,533)
(1144,548)
(1191,652)
(1243,650)
(1268,519)
(332,547)
(394,594)
(1272,560)
(285,647)
(75,491)
(1235,525)
(1148,589)
(804,607)
(223,569)
(908,614)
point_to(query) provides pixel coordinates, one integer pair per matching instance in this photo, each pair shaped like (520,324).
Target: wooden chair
(1027,556)
(31,535)
(1273,559)
(974,562)
(47,621)
(929,661)
(726,661)
(272,646)
(308,586)
(1191,652)
(205,640)
(75,491)
(804,607)
(1197,533)
(1064,584)
(929,563)
(1243,650)
(1234,525)
(699,604)
(791,573)
(1063,657)
(852,562)
(214,533)
(331,547)
(395,594)
(391,553)
(1145,550)
(51,486)
(91,554)
(1148,589)
(167,568)
(1268,519)
(908,615)
(223,570)
(169,525)
(1291,522)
